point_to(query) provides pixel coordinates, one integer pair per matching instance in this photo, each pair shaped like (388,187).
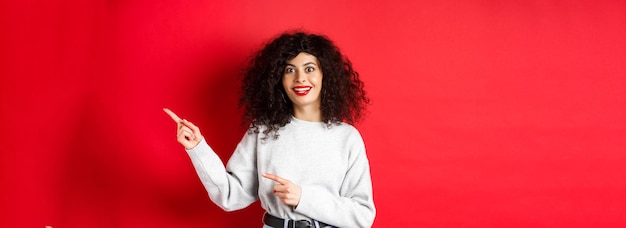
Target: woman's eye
(309,69)
(289,70)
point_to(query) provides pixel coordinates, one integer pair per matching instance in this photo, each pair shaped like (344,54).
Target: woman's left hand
(289,193)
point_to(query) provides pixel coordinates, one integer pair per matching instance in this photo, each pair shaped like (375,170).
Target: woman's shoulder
(346,128)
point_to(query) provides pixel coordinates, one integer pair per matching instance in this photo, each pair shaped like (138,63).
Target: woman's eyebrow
(308,63)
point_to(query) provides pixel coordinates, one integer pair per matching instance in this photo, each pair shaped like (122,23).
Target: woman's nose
(300,77)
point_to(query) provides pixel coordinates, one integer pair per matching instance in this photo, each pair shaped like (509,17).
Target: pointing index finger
(172,114)
(273,177)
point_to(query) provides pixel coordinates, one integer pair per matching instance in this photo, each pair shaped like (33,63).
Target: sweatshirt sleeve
(354,205)
(232,187)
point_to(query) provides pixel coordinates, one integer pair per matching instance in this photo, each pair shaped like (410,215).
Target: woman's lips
(301,90)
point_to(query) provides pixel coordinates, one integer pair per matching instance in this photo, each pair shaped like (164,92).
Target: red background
(484,113)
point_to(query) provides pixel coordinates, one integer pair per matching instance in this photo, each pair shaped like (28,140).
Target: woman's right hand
(188,134)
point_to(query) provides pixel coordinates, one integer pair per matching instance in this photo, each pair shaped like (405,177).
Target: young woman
(301,156)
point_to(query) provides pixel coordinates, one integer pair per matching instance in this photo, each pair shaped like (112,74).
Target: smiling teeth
(301,89)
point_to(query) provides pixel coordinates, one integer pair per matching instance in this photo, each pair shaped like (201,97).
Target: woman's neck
(308,113)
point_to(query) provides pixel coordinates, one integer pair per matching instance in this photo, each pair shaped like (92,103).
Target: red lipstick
(301,90)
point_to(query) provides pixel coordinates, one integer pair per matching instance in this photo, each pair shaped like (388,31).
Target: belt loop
(317,224)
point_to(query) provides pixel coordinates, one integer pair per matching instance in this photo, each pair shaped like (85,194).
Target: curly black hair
(263,97)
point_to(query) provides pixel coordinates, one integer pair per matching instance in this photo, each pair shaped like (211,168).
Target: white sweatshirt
(328,163)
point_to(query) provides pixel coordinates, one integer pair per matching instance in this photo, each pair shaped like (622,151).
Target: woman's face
(302,80)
